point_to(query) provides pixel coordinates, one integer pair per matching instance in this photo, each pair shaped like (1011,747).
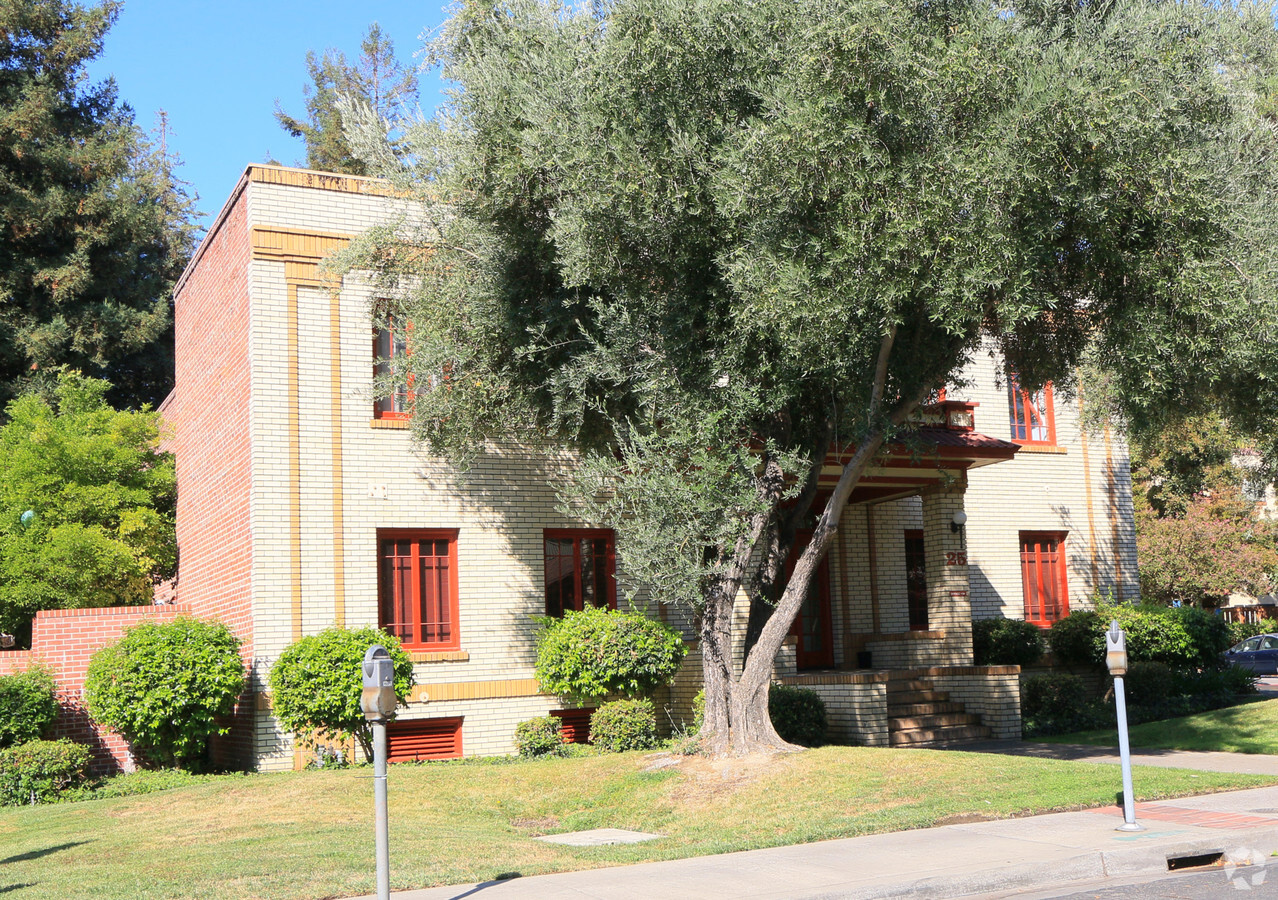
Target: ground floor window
(1043,575)
(413,739)
(916,579)
(417,588)
(580,570)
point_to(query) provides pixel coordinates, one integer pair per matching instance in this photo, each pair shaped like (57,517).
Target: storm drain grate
(1197,861)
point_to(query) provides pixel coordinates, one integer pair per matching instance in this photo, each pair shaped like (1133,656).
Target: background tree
(700,241)
(94,229)
(101,497)
(377,79)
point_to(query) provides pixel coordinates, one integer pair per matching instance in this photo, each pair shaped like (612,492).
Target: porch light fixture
(959,520)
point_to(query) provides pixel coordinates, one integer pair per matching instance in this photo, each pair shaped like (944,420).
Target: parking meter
(1116,649)
(377,700)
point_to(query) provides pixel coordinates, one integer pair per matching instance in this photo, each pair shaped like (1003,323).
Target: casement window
(1032,415)
(580,570)
(413,739)
(916,579)
(1043,576)
(390,356)
(417,588)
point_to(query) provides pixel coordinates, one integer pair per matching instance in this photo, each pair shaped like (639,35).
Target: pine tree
(377,79)
(94,229)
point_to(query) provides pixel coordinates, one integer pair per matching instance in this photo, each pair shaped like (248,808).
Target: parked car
(1259,653)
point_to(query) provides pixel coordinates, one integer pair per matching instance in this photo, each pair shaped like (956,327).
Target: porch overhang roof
(923,458)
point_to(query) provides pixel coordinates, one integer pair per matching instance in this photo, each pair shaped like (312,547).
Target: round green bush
(624,725)
(1052,696)
(1006,642)
(1079,639)
(542,736)
(1181,637)
(165,685)
(316,684)
(594,653)
(28,706)
(798,715)
(1148,683)
(39,771)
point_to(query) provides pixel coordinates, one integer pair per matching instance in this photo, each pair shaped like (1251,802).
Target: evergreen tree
(377,79)
(94,230)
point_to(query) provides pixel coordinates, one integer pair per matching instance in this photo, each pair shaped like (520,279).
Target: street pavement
(1068,852)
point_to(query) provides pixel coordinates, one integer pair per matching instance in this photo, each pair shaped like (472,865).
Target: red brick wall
(63,641)
(210,414)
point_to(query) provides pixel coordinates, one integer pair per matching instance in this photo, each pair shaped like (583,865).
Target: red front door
(812,626)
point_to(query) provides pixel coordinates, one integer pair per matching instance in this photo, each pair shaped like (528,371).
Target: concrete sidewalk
(979,858)
(1243,763)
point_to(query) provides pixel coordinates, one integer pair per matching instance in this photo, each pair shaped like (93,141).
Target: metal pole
(379,807)
(1125,754)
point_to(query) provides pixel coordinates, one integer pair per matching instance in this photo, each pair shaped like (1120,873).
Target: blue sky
(217,68)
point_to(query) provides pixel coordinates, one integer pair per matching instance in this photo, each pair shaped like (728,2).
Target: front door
(812,626)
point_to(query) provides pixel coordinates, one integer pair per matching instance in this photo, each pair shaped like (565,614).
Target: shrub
(316,684)
(1078,639)
(165,685)
(39,771)
(624,725)
(1006,642)
(27,706)
(1240,631)
(1052,695)
(798,715)
(594,653)
(542,736)
(1148,683)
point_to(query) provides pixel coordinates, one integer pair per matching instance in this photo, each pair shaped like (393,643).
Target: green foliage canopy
(165,687)
(316,684)
(592,653)
(103,497)
(94,229)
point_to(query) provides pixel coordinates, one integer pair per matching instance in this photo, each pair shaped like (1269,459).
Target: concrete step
(896,710)
(921,737)
(920,697)
(911,723)
(904,684)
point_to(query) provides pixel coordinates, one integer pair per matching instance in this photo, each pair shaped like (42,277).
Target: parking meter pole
(1125,754)
(379,803)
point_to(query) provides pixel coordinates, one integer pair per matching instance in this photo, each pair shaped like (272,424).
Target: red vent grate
(424,739)
(576,724)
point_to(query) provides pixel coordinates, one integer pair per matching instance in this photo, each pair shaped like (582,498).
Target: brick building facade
(303,503)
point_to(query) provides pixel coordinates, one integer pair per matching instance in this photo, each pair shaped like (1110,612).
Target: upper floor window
(417,588)
(390,355)
(579,569)
(1032,415)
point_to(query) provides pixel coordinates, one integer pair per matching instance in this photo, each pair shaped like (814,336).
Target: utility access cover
(597,837)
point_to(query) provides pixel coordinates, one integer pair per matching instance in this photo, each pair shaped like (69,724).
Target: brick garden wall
(63,641)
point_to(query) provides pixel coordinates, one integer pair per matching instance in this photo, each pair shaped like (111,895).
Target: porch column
(949,607)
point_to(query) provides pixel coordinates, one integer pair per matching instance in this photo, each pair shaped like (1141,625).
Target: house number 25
(956,558)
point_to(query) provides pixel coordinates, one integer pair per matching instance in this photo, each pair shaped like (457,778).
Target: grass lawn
(1249,728)
(309,834)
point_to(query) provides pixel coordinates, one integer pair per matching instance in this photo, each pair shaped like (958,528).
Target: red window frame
(1032,416)
(1044,576)
(388,352)
(570,570)
(420,607)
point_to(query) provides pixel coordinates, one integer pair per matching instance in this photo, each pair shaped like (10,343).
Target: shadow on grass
(37,854)
(10,888)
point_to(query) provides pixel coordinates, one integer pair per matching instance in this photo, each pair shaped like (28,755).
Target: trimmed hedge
(798,715)
(1006,642)
(1240,631)
(40,771)
(28,706)
(594,653)
(624,725)
(1180,637)
(542,736)
(165,686)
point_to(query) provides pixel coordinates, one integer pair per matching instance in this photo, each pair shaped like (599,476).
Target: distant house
(302,502)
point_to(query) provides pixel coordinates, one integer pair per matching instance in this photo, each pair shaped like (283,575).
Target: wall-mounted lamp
(959,520)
